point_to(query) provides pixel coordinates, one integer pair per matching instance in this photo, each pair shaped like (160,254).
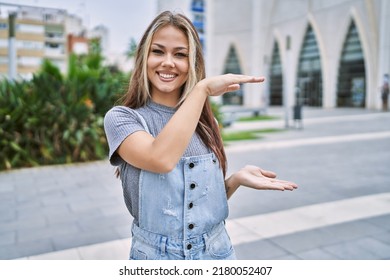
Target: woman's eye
(182,55)
(157,52)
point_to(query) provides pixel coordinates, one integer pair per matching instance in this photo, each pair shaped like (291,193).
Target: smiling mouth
(165,76)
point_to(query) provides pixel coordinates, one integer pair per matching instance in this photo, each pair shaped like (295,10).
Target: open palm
(254,177)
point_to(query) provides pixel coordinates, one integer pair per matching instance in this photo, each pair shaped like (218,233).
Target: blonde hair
(139,93)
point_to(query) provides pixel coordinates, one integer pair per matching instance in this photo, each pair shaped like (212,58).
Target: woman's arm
(162,153)
(256,178)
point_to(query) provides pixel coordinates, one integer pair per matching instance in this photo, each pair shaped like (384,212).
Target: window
(232,65)
(199,19)
(276,82)
(29,61)
(30,45)
(309,80)
(197,5)
(30,28)
(54,49)
(351,78)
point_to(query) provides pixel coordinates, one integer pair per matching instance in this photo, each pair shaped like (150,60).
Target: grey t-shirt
(119,123)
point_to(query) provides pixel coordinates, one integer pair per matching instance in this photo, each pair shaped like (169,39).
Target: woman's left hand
(254,177)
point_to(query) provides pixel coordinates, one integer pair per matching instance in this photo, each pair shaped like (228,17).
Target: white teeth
(166,76)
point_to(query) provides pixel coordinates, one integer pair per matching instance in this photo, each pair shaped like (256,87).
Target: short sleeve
(119,123)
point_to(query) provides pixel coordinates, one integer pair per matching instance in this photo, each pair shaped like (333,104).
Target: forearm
(174,138)
(231,185)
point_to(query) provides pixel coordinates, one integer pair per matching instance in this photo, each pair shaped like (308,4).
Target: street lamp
(11,46)
(288,78)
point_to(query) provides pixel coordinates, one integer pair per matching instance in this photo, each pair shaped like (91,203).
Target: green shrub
(54,119)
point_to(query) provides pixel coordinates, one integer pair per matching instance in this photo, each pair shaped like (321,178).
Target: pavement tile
(366,248)
(26,249)
(114,250)
(26,195)
(381,221)
(115,209)
(316,254)
(58,218)
(48,210)
(123,231)
(6,187)
(70,254)
(384,237)
(7,238)
(6,196)
(304,241)
(35,222)
(7,215)
(84,238)
(57,230)
(259,250)
(105,222)
(287,257)
(354,229)
(52,198)
(28,205)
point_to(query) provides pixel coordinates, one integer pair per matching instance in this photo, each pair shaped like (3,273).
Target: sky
(125,19)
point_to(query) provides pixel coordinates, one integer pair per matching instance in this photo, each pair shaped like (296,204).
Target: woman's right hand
(218,85)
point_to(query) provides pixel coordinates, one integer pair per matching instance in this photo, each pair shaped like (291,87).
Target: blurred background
(325,55)
(321,119)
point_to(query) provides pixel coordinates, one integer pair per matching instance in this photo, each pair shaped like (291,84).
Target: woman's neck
(168,100)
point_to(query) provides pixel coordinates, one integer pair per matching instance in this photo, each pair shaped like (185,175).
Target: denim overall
(182,213)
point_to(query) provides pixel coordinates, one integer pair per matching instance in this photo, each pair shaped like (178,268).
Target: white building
(41,33)
(329,53)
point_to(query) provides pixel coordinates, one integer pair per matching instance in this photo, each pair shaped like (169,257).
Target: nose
(168,61)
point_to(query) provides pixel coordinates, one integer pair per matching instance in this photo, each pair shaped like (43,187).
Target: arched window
(351,78)
(232,65)
(309,79)
(276,78)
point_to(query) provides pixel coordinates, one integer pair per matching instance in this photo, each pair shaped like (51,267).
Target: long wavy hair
(138,93)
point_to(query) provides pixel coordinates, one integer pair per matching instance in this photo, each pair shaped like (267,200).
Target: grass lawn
(247,134)
(257,118)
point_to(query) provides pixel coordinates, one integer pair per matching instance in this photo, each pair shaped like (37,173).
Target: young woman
(167,145)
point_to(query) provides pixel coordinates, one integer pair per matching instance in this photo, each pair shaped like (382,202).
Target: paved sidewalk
(77,211)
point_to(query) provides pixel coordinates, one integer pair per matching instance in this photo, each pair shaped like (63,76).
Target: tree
(132,48)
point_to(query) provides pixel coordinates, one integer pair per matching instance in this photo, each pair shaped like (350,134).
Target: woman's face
(168,65)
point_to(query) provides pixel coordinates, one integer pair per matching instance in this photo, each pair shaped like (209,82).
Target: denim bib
(182,213)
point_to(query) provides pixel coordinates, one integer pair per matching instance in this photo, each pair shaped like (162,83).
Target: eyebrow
(177,48)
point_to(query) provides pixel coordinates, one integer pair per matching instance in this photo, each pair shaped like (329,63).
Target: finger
(290,184)
(249,79)
(285,187)
(289,188)
(258,172)
(268,173)
(270,185)
(284,182)
(233,87)
(239,79)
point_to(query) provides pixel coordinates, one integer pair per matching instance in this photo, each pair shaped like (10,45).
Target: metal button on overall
(190,205)
(192,186)
(191,165)
(191,226)
(189,246)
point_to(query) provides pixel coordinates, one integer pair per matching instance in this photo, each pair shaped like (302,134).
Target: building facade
(316,53)
(40,33)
